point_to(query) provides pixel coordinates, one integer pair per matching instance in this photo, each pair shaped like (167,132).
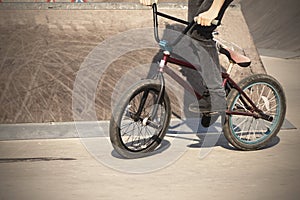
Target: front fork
(148,120)
(160,95)
(161,80)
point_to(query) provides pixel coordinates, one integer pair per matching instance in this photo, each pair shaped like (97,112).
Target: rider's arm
(148,2)
(207,17)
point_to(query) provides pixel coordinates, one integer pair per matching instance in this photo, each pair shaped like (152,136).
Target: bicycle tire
(121,119)
(243,131)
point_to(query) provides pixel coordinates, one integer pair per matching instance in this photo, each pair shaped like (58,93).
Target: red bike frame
(254,111)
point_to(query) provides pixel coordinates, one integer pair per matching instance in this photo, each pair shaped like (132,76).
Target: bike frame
(254,111)
(227,80)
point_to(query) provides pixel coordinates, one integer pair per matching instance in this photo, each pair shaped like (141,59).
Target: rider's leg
(203,55)
(210,70)
(213,104)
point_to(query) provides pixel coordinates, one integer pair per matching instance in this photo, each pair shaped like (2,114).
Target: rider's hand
(148,2)
(205,18)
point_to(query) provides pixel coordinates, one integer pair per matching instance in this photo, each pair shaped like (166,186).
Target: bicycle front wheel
(133,130)
(248,132)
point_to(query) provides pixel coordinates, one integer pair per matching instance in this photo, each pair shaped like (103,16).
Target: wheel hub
(145,120)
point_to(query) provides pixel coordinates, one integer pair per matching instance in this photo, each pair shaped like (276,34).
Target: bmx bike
(256,106)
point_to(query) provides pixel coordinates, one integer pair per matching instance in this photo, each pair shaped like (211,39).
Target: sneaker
(209,103)
(210,118)
(201,106)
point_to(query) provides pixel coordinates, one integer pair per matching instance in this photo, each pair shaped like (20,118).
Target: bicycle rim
(138,135)
(250,130)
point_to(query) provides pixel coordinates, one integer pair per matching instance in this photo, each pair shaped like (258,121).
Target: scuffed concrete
(42,50)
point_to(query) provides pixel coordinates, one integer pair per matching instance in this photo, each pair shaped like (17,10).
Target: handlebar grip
(215,22)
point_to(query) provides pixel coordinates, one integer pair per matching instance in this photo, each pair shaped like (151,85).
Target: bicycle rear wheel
(249,132)
(133,131)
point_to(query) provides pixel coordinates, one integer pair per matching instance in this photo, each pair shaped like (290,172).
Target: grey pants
(203,55)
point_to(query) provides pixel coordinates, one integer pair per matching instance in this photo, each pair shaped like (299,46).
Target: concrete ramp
(44,44)
(274,25)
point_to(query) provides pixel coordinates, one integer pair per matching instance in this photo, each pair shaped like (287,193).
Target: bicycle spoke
(250,129)
(135,133)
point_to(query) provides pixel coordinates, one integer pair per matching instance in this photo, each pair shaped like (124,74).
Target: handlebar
(155,24)
(215,22)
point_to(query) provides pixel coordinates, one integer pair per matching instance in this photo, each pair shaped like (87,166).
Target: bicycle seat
(235,57)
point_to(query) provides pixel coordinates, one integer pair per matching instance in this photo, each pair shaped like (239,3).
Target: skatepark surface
(185,169)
